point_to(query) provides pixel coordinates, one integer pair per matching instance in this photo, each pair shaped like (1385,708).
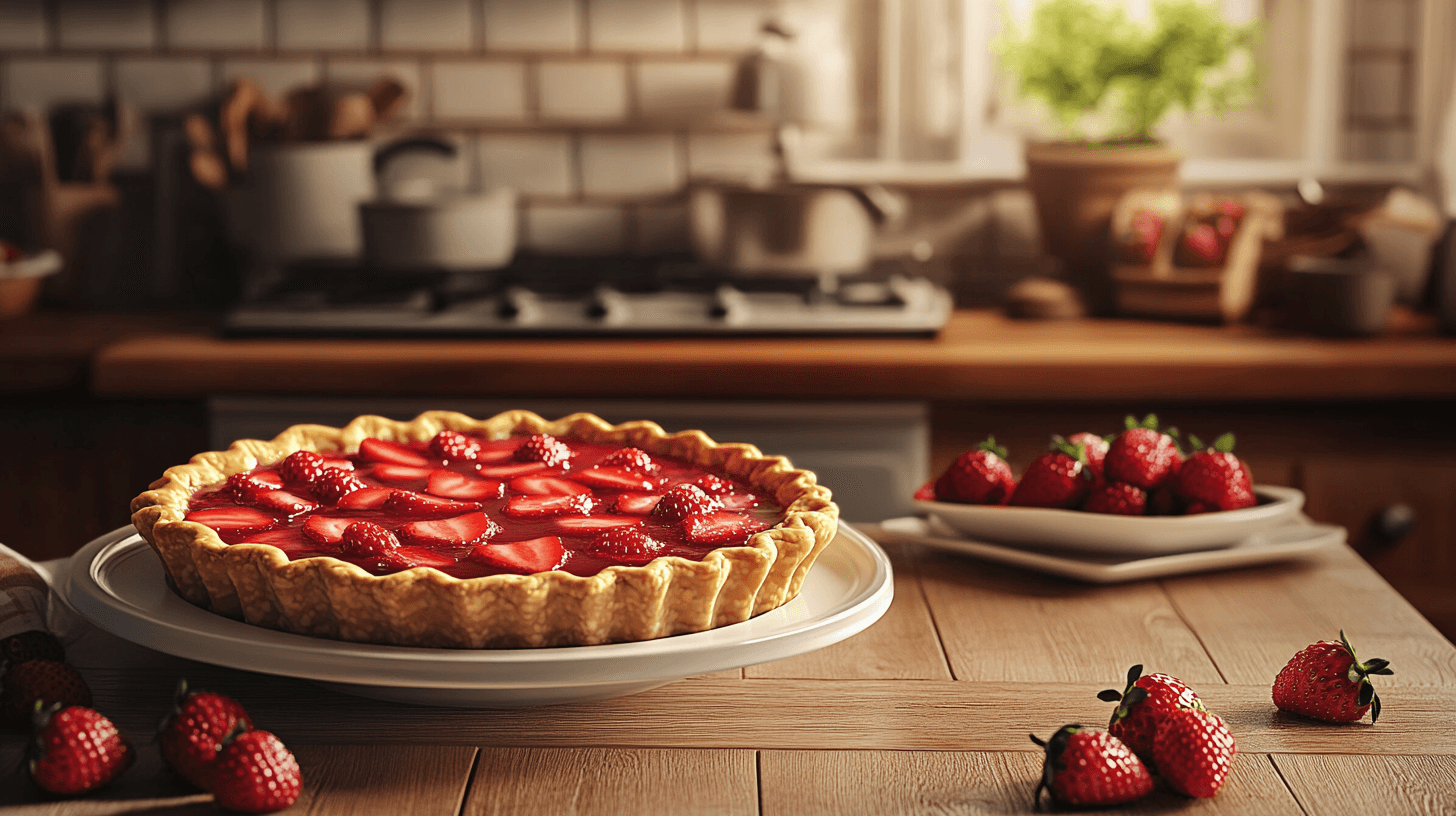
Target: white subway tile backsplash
(230,24)
(531,164)
(632,164)
(677,90)
(1379,145)
(40,83)
(432,25)
(323,24)
(22,24)
(583,91)
(730,155)
(483,90)
(105,24)
(662,229)
(637,25)
(275,77)
(729,25)
(575,229)
(160,84)
(360,73)
(534,25)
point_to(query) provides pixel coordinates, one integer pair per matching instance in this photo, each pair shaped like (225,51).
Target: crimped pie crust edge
(327,597)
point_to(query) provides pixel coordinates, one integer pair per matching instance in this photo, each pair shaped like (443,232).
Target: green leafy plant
(1085,56)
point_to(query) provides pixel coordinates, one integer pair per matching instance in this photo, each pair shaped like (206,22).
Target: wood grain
(1372,784)
(901,645)
(999,623)
(349,779)
(583,782)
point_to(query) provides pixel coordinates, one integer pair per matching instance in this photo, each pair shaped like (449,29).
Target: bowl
(20,282)
(1075,530)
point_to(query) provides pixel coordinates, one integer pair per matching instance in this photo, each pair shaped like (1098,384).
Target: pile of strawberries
(1208,228)
(207,739)
(1160,726)
(1140,471)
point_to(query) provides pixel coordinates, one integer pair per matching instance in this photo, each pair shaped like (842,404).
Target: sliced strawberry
(471,528)
(425,557)
(378,450)
(290,540)
(545,486)
(523,557)
(283,502)
(418,505)
(241,520)
(369,498)
(336,461)
(400,474)
(326,530)
(244,485)
(595,524)
(635,504)
(488,456)
(543,506)
(720,528)
(454,485)
(613,478)
(513,470)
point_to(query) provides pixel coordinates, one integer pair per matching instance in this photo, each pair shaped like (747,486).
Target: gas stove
(609,298)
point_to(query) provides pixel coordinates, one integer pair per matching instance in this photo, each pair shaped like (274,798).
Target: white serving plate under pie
(117,583)
(1078,531)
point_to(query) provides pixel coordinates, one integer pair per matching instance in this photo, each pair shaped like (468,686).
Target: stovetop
(556,297)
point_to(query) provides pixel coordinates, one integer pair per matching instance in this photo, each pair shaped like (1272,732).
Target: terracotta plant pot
(1076,185)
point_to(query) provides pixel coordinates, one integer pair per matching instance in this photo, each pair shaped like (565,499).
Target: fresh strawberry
(378,450)
(1325,681)
(1095,448)
(245,485)
(326,530)
(454,446)
(527,507)
(978,476)
(41,681)
(715,485)
(1145,231)
(256,773)
(1231,207)
(685,500)
(365,539)
(632,460)
(524,557)
(76,750)
(1200,246)
(469,529)
(193,732)
(1194,752)
(1116,498)
(400,474)
(367,498)
(513,470)
(301,467)
(1058,478)
(282,501)
(614,478)
(1090,769)
(721,528)
(544,448)
(418,505)
(635,504)
(586,525)
(1214,477)
(36,644)
(1145,703)
(926,492)
(1226,227)
(452,485)
(626,545)
(1142,455)
(233,520)
(1164,502)
(335,484)
(545,486)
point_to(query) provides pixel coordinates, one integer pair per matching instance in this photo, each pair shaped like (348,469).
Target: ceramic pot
(1076,186)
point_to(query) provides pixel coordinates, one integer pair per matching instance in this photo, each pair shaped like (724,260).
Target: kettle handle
(431,144)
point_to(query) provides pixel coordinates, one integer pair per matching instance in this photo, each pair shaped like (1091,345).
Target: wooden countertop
(979,355)
(927,711)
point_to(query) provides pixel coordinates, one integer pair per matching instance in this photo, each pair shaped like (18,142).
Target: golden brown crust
(326,597)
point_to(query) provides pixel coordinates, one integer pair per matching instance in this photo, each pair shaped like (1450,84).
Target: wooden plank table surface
(926,712)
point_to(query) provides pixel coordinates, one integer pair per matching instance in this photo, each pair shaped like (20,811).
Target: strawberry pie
(508,532)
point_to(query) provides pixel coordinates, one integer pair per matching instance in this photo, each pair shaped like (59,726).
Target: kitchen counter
(927,711)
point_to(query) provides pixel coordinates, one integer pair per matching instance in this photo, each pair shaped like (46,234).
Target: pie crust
(327,597)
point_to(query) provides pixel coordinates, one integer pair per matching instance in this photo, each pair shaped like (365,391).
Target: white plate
(117,583)
(1075,530)
(1280,543)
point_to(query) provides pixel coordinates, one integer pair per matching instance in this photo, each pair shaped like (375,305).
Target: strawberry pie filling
(471,507)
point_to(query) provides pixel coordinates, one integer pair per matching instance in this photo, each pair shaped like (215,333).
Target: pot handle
(430,144)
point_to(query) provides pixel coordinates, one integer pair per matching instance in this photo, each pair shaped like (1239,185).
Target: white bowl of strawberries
(1132,494)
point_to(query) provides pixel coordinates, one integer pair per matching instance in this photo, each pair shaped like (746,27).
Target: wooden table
(928,711)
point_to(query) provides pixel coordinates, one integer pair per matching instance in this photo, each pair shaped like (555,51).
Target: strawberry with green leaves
(1142,455)
(256,773)
(44,682)
(1213,479)
(1144,705)
(76,750)
(1194,752)
(192,733)
(1326,681)
(1058,478)
(978,476)
(1090,769)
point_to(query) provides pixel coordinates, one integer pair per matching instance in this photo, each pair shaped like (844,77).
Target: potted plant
(1109,81)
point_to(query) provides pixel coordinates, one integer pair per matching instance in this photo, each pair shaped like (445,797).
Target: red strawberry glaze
(288,532)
